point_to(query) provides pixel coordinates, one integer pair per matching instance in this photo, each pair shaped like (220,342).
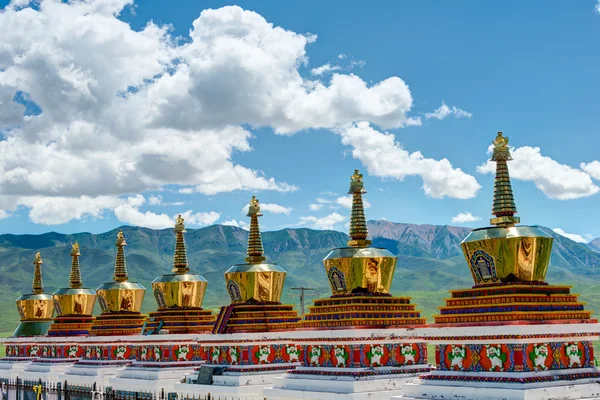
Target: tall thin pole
(302,289)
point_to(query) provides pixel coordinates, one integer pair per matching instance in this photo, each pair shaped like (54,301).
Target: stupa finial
(75,278)
(504,207)
(180,261)
(255,247)
(120,264)
(38,285)
(358,222)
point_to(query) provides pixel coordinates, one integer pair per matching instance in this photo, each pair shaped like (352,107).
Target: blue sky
(526,68)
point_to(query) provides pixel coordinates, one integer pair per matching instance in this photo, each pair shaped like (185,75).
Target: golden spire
(504,202)
(120,264)
(358,222)
(180,262)
(75,277)
(255,246)
(38,285)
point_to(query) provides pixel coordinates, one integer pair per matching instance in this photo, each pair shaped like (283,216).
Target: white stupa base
(148,379)
(245,382)
(47,371)
(587,388)
(323,387)
(12,368)
(89,373)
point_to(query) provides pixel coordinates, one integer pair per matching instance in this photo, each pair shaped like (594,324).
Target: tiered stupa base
(189,320)
(256,317)
(514,341)
(118,323)
(73,325)
(32,328)
(362,310)
(513,303)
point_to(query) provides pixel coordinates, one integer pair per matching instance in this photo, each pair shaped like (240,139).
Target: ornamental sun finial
(179,224)
(38,259)
(254,208)
(75,249)
(120,239)
(501,149)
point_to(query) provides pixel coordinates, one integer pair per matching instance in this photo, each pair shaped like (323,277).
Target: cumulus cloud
(444,111)
(315,207)
(464,217)
(555,180)
(233,222)
(58,210)
(125,111)
(323,69)
(4,214)
(592,169)
(346,202)
(129,213)
(327,222)
(272,208)
(384,157)
(573,236)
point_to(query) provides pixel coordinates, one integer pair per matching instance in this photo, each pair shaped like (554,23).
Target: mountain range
(430,261)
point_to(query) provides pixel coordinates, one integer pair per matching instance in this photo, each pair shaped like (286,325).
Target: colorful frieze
(514,357)
(365,355)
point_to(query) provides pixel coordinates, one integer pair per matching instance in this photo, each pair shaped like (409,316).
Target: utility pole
(302,289)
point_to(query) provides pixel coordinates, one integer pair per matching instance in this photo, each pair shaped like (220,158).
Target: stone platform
(259,317)
(76,325)
(362,310)
(118,324)
(182,321)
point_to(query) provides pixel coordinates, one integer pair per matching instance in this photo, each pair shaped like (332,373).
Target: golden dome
(255,281)
(506,253)
(359,268)
(120,295)
(179,290)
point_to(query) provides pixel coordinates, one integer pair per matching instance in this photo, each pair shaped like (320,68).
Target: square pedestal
(11,368)
(88,373)
(353,385)
(240,382)
(46,371)
(555,391)
(148,379)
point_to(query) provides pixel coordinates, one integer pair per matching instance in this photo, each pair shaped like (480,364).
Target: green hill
(430,261)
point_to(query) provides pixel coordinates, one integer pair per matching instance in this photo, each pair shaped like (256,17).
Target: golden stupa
(506,253)
(36,309)
(74,305)
(359,268)
(509,264)
(180,295)
(256,280)
(255,289)
(120,301)
(360,277)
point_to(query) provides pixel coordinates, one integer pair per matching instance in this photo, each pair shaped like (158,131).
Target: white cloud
(384,157)
(186,190)
(444,111)
(200,218)
(327,222)
(341,56)
(323,69)
(272,208)
(4,214)
(597,8)
(592,169)
(464,217)
(315,207)
(155,200)
(233,222)
(107,113)
(573,236)
(555,180)
(346,202)
(58,210)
